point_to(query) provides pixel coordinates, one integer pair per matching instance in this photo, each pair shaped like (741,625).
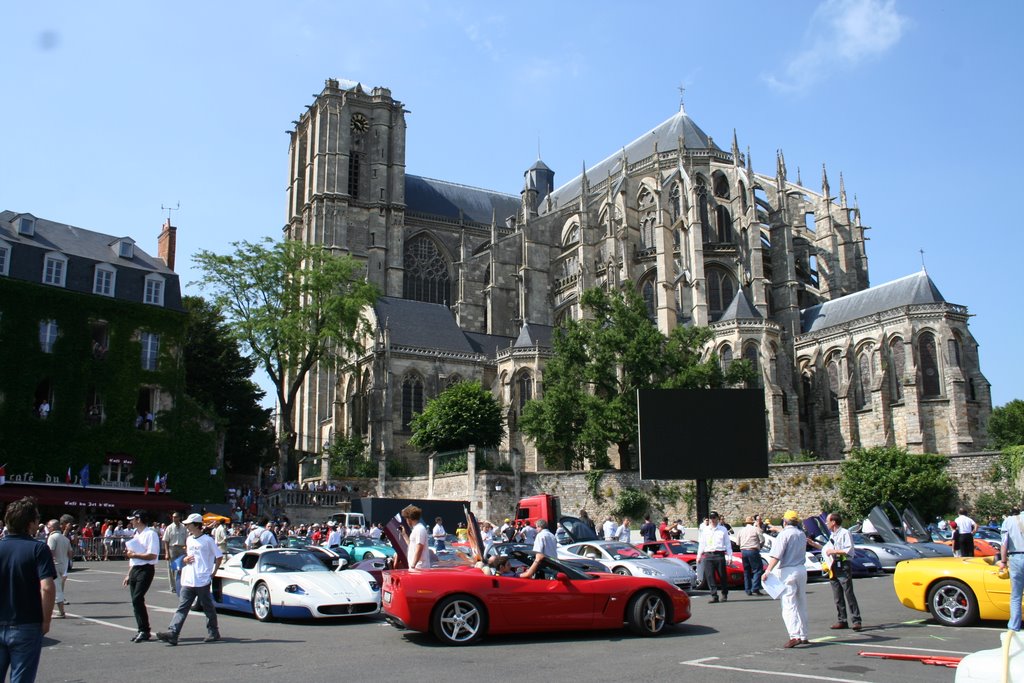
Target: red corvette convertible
(461,604)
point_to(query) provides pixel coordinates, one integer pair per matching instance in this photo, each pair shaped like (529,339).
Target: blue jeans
(752,571)
(20,647)
(1016,567)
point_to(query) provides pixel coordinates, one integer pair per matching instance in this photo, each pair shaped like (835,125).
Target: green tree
(1006,426)
(348,458)
(292,305)
(875,475)
(219,378)
(462,415)
(599,362)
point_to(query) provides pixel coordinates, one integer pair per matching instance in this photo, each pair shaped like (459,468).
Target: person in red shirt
(663,529)
(87,536)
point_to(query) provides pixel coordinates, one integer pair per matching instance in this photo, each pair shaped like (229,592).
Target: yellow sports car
(956,590)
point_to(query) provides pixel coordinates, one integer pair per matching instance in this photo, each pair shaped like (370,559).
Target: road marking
(703,663)
(100,621)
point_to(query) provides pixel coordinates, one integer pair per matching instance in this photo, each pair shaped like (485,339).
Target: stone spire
(799,180)
(780,166)
(842,191)
(735,149)
(824,184)
(749,162)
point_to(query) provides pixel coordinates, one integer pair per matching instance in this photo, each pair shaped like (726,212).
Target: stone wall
(803,487)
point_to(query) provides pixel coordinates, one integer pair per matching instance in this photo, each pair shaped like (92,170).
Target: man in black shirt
(27,592)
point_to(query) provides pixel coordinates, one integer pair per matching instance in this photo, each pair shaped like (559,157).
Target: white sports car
(292,583)
(622,558)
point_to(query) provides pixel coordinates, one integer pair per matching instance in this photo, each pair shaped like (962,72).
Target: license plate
(868,564)
(387,597)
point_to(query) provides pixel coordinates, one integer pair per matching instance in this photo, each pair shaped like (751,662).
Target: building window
(154,293)
(47,335)
(5,258)
(649,293)
(725,357)
(355,162)
(702,210)
(929,360)
(832,368)
(750,355)
(150,349)
(720,292)
(54,269)
(26,226)
(524,389)
(412,399)
(426,272)
(897,363)
(124,248)
(863,379)
(724,219)
(956,351)
(103,283)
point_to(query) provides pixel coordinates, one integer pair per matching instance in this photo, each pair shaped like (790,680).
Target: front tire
(698,580)
(647,613)
(953,603)
(368,555)
(261,603)
(459,620)
(621,571)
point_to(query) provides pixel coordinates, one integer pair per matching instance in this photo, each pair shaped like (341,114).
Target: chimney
(166,243)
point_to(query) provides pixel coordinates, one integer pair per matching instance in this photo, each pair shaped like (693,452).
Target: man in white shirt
(624,531)
(220,536)
(142,551)
(788,553)
(839,548)
(202,559)
(1011,559)
(715,549)
(335,535)
(545,545)
(610,529)
(439,534)
(419,539)
(966,527)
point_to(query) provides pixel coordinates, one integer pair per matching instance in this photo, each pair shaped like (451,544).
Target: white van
(348,519)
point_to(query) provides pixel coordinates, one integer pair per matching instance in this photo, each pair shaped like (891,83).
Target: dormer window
(154,293)
(103,281)
(55,266)
(5,258)
(26,225)
(124,248)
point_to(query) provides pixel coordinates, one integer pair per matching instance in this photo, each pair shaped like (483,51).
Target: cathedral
(474,283)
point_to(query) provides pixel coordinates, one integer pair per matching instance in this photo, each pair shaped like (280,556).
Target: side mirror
(342,563)
(659,553)
(561,576)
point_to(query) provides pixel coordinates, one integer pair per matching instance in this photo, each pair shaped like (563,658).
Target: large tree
(589,401)
(219,378)
(873,476)
(462,415)
(292,305)
(1006,426)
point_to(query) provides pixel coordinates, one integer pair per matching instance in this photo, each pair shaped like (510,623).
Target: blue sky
(114,109)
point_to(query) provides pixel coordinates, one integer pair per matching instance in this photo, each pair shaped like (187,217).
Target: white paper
(772,585)
(135,545)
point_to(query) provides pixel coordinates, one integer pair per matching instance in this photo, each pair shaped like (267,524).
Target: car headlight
(295,589)
(374,586)
(650,572)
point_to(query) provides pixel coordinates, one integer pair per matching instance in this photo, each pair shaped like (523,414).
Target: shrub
(631,503)
(876,475)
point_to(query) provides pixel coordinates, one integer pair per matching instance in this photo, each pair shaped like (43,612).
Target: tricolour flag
(156,483)
(83,475)
(3,474)
(68,478)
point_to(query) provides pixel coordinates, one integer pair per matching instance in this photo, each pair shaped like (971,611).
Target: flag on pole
(163,483)
(68,478)
(83,475)
(3,474)
(156,483)
(145,490)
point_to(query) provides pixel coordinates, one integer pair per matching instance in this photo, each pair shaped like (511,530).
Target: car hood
(897,549)
(668,566)
(352,584)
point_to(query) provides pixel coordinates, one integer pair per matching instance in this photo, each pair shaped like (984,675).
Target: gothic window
(725,357)
(972,391)
(721,186)
(929,364)
(750,355)
(832,368)
(648,291)
(806,397)
(956,350)
(572,235)
(426,272)
(355,162)
(524,389)
(675,201)
(773,365)
(412,399)
(743,197)
(724,219)
(897,363)
(645,205)
(364,404)
(863,379)
(570,265)
(720,292)
(702,209)
(451,381)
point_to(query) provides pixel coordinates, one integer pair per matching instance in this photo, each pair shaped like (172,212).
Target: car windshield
(358,542)
(624,551)
(549,568)
(291,561)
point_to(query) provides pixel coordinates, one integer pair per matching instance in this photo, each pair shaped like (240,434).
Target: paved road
(736,641)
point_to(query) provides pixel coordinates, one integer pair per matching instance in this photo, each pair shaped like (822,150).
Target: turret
(538,183)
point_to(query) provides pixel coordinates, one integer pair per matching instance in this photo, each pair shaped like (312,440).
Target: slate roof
(740,309)
(421,324)
(488,344)
(533,334)
(912,289)
(665,134)
(72,241)
(446,200)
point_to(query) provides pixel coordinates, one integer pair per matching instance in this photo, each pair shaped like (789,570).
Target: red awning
(84,498)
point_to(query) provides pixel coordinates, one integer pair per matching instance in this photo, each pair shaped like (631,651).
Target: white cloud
(841,35)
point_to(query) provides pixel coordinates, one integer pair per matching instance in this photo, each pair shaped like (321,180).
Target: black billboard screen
(702,433)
